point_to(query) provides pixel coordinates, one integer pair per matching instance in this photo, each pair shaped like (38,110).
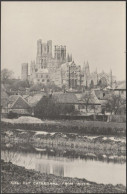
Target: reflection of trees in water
(15,157)
(50,168)
(58,170)
(86,154)
(43,167)
(9,156)
(27,163)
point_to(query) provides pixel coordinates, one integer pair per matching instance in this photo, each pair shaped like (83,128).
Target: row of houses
(90,102)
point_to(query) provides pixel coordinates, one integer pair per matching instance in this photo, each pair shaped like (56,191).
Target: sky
(92,31)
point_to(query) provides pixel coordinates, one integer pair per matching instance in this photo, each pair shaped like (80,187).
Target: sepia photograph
(63,97)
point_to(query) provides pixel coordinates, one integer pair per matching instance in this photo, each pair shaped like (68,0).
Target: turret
(32,67)
(60,53)
(69,57)
(87,71)
(49,48)
(83,68)
(39,47)
(24,71)
(110,78)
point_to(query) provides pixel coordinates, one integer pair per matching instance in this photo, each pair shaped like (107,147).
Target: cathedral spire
(87,64)
(70,57)
(83,67)
(110,77)
(110,71)
(87,70)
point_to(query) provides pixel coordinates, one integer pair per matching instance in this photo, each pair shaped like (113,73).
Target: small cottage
(17,104)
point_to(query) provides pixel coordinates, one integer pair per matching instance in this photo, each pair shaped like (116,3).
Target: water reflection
(58,169)
(45,168)
(92,170)
(110,157)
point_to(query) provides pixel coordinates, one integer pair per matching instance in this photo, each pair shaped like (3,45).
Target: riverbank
(70,126)
(110,148)
(17,179)
(66,144)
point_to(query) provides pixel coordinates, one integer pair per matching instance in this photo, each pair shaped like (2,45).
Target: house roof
(79,96)
(25,96)
(121,86)
(15,98)
(65,98)
(103,102)
(33,100)
(72,98)
(98,93)
(92,99)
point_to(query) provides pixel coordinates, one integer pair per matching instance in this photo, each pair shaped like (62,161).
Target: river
(90,169)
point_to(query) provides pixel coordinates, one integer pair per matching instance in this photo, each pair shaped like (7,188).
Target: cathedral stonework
(24,71)
(95,79)
(61,70)
(47,68)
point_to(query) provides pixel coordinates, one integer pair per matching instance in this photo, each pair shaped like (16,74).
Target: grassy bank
(73,126)
(17,179)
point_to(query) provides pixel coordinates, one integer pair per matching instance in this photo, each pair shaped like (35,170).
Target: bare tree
(86,97)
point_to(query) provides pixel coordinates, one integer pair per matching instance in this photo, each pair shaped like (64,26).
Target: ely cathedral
(61,70)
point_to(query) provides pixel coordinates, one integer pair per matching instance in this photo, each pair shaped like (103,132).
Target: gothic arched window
(103,82)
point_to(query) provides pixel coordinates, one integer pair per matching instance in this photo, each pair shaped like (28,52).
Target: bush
(12,115)
(48,107)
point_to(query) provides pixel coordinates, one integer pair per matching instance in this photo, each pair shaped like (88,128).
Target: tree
(20,84)
(52,87)
(37,87)
(48,107)
(47,88)
(86,97)
(114,103)
(66,108)
(6,75)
